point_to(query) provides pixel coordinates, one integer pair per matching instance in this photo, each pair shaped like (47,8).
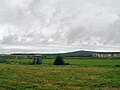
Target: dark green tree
(59,60)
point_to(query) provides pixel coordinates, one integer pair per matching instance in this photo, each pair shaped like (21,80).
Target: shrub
(59,60)
(117,65)
(67,64)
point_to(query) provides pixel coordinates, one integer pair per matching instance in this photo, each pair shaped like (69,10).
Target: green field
(81,74)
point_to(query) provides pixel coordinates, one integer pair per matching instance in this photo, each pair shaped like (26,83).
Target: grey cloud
(79,23)
(113,34)
(10,39)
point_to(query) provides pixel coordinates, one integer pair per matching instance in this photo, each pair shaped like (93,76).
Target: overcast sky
(59,25)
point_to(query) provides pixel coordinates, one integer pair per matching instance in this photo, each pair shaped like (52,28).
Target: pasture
(81,74)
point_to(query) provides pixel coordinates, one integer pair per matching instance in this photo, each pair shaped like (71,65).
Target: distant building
(108,54)
(2,59)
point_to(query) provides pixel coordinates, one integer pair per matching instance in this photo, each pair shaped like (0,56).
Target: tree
(59,60)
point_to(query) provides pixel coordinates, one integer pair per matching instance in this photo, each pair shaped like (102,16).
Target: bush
(59,60)
(117,65)
(66,64)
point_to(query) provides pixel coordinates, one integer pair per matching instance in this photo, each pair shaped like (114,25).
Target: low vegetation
(81,74)
(59,60)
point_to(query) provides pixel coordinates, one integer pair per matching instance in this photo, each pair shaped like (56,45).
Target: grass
(81,74)
(88,62)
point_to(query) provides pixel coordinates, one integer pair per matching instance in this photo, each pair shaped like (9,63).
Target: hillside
(76,53)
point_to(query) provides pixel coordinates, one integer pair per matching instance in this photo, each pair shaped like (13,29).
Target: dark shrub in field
(59,60)
(66,64)
(117,65)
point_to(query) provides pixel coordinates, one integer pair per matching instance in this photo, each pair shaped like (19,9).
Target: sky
(49,26)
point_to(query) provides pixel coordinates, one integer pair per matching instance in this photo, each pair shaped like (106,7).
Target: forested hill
(76,53)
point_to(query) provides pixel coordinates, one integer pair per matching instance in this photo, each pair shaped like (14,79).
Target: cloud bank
(59,25)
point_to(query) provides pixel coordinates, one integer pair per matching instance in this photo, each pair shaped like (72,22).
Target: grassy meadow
(81,74)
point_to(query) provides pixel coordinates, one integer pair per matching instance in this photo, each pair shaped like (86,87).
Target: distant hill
(76,53)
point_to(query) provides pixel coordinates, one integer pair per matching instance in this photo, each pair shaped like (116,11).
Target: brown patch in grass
(48,83)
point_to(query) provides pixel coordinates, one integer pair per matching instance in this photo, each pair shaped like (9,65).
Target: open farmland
(81,74)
